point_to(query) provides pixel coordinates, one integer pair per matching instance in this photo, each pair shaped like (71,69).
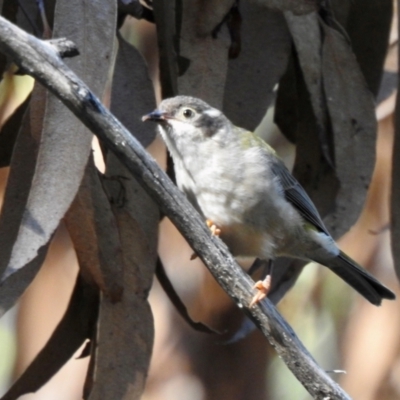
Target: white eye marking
(213,113)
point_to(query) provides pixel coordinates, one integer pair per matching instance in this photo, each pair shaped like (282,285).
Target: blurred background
(342,331)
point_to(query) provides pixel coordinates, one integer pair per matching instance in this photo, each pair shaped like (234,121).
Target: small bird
(247,195)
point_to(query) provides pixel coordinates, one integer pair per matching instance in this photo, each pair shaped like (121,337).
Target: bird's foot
(215,231)
(263,288)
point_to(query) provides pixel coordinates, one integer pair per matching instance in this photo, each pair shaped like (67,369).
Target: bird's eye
(188,113)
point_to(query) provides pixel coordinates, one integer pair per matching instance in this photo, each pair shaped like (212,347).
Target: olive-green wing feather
(295,194)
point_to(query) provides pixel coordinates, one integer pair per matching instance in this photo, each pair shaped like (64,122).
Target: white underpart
(236,186)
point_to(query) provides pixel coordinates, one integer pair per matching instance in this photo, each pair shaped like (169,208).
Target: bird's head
(189,119)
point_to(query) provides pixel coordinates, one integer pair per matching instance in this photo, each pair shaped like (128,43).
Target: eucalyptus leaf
(253,75)
(76,325)
(65,143)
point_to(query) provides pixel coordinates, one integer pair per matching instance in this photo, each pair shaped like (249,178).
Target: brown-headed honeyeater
(236,180)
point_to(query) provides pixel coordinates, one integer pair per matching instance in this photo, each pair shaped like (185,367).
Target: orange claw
(215,231)
(263,289)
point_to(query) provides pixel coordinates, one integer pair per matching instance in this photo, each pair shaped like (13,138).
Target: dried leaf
(125,338)
(12,288)
(388,86)
(135,9)
(352,115)
(9,132)
(9,9)
(49,8)
(310,168)
(165,17)
(295,6)
(88,385)
(65,144)
(205,77)
(93,230)
(177,302)
(395,193)
(212,14)
(28,17)
(76,326)
(126,332)
(295,116)
(251,78)
(22,169)
(306,34)
(368,27)
(286,104)
(132,92)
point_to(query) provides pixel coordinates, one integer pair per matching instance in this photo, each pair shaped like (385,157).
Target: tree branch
(41,61)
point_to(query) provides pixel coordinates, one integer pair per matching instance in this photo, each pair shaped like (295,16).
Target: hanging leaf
(306,34)
(9,132)
(92,227)
(12,288)
(352,115)
(166,20)
(252,76)
(295,116)
(22,169)
(208,57)
(177,302)
(75,327)
(132,92)
(286,104)
(65,143)
(126,331)
(395,193)
(367,25)
(9,9)
(296,6)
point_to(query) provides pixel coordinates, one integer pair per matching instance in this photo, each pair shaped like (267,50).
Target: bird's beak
(155,115)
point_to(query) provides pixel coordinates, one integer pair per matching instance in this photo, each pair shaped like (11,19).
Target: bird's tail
(358,278)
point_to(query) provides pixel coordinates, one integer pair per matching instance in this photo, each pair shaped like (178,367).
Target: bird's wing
(293,191)
(296,195)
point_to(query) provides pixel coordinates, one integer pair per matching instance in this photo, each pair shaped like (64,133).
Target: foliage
(326,58)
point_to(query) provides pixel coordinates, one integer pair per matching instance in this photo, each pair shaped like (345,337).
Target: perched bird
(248,196)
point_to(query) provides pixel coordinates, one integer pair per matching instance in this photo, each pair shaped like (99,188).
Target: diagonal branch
(40,60)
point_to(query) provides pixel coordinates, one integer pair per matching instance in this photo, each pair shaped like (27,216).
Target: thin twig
(40,61)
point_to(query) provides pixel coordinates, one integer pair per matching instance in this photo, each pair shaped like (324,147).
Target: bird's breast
(239,195)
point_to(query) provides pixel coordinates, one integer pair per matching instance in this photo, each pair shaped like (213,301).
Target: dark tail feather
(360,279)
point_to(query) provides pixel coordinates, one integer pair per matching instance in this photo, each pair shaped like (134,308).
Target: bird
(248,197)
